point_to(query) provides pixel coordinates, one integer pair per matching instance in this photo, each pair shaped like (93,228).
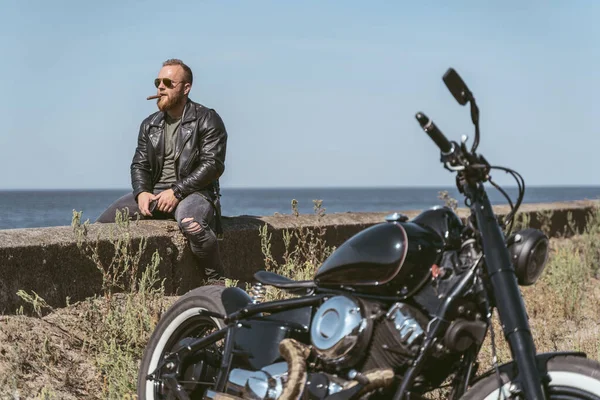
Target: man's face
(172,93)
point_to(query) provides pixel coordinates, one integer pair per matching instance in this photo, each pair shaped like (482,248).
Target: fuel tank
(391,258)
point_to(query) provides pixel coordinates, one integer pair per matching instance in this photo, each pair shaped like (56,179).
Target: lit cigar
(156,96)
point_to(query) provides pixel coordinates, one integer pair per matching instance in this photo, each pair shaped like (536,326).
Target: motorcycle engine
(348,332)
(349,335)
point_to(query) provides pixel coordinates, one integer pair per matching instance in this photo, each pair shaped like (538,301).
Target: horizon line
(312,187)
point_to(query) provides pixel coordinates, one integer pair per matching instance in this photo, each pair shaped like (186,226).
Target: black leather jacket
(200,146)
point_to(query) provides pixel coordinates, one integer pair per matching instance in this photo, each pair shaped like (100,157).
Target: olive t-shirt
(167,176)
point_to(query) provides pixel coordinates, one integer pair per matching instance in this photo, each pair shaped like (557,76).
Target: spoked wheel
(180,324)
(571,378)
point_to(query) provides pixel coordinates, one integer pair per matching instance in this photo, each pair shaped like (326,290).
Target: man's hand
(166,201)
(143,201)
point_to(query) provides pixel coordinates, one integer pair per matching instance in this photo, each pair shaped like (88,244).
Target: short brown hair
(187,72)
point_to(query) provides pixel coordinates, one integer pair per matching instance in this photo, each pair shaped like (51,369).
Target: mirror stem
(475,119)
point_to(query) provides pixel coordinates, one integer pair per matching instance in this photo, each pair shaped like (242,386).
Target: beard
(168,102)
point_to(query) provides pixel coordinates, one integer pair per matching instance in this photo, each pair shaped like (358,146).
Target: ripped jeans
(195,217)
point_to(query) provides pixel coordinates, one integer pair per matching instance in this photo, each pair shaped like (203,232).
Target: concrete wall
(48,261)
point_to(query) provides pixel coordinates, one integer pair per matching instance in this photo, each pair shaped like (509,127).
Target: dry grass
(563,307)
(90,349)
(304,250)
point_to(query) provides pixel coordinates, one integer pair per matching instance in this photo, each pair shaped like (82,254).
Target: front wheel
(571,378)
(181,321)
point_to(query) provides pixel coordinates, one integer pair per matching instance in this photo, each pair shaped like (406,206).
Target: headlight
(529,252)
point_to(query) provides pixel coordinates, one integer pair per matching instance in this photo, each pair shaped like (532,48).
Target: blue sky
(312,93)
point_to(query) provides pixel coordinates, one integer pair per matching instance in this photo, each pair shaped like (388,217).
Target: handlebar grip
(434,133)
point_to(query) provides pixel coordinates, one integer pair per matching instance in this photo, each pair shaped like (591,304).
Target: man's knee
(202,239)
(189,225)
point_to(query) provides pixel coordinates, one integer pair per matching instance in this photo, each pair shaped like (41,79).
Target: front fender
(542,359)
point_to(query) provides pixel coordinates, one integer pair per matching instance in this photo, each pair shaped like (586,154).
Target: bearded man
(176,167)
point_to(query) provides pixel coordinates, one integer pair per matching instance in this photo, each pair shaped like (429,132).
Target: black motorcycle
(397,311)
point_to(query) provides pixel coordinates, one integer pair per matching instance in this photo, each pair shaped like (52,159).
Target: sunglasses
(168,82)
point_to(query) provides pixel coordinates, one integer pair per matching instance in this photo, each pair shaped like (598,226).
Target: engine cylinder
(396,338)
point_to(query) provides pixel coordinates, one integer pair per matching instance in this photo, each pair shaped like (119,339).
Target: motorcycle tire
(572,378)
(180,321)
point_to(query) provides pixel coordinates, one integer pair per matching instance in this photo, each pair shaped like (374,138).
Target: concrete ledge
(48,261)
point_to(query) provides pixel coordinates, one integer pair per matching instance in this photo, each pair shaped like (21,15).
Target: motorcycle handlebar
(434,133)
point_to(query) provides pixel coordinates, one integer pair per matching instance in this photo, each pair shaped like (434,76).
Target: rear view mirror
(457,86)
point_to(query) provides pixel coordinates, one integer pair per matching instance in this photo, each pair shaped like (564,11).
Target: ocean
(43,208)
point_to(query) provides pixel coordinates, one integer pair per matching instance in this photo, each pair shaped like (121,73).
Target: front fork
(506,295)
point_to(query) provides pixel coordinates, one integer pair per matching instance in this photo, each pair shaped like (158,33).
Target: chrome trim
(266,384)
(258,293)
(333,388)
(210,395)
(408,327)
(396,217)
(258,388)
(278,376)
(277,370)
(336,327)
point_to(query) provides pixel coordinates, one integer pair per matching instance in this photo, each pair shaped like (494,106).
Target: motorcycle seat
(281,282)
